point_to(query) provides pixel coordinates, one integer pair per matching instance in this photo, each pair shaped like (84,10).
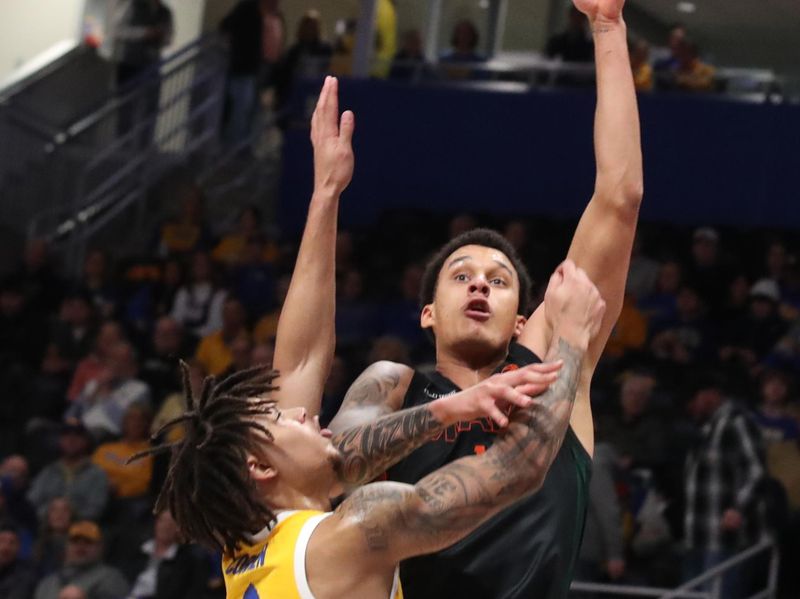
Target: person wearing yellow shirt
(640,64)
(630,332)
(692,73)
(231,248)
(385,37)
(128,481)
(254,475)
(214,351)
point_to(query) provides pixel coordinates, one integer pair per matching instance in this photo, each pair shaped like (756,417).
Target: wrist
(442,411)
(602,24)
(575,336)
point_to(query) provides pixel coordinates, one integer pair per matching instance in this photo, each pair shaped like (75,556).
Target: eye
(498,281)
(277,415)
(462,277)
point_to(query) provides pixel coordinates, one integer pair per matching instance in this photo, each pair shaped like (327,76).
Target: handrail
(721,568)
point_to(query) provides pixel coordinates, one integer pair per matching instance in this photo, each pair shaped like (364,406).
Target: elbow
(622,193)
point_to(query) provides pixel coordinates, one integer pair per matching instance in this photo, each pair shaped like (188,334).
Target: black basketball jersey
(526,551)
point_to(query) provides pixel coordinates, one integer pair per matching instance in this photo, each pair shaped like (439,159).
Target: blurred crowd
(700,370)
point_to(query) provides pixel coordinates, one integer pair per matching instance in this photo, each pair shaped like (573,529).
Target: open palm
(610,10)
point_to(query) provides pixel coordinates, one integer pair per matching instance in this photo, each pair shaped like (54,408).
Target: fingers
(346,127)
(533,373)
(533,389)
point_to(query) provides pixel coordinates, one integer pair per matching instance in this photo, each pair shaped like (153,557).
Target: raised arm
(390,522)
(305,339)
(603,240)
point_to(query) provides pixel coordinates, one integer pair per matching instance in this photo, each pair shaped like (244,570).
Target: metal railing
(104,163)
(712,579)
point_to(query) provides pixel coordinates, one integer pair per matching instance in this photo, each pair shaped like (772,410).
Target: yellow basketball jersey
(274,565)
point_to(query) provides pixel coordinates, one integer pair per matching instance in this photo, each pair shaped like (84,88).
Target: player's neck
(465,373)
(287,499)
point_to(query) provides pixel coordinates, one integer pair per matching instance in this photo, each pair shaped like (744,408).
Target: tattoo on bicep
(368,450)
(371,389)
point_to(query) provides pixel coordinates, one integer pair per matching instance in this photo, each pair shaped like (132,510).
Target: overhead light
(687,7)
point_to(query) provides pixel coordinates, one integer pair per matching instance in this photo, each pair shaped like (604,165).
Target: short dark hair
(208,488)
(486,238)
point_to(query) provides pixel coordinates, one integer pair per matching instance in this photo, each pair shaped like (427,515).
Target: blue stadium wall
(707,160)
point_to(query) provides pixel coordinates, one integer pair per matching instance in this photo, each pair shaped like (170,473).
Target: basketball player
(475,296)
(248,459)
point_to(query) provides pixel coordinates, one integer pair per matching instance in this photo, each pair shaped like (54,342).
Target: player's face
(301,453)
(474,311)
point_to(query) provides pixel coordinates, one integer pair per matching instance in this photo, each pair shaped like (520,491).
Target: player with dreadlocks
(253,457)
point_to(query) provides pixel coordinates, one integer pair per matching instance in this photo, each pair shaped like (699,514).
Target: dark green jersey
(526,551)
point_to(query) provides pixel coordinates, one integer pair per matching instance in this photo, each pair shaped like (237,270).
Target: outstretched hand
(605,10)
(332,137)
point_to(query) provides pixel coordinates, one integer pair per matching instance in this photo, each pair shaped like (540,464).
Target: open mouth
(478,309)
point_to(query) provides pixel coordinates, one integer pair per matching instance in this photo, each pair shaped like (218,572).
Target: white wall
(30,27)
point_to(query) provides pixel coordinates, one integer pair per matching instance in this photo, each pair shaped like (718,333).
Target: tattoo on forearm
(368,450)
(450,502)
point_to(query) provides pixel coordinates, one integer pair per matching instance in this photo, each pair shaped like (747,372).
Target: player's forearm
(523,455)
(617,137)
(306,325)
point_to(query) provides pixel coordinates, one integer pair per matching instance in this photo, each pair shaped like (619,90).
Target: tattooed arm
(369,449)
(388,522)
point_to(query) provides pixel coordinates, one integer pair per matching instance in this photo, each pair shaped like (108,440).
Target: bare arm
(305,339)
(603,240)
(389,522)
(368,449)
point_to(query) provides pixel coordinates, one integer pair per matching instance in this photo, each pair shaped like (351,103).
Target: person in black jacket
(164,568)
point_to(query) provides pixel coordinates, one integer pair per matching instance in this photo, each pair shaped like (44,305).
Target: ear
(519,326)
(427,319)
(259,471)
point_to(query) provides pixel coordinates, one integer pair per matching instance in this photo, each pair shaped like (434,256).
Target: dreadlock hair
(208,488)
(486,238)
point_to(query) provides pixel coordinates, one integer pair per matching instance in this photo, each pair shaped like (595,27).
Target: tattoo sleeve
(402,521)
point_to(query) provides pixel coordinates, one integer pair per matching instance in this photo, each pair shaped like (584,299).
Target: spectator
(666,65)
(254,280)
(635,430)
(724,471)
(96,282)
(72,592)
(109,335)
(602,557)
(72,476)
(391,349)
(385,37)
(692,73)
(74,331)
(164,568)
(752,337)
(409,63)
(198,305)
(630,331)
(17,576)
(735,308)
(464,50)
(214,351)
(255,32)
(309,56)
(241,351)
(262,354)
(14,484)
(661,306)
(687,337)
(102,403)
(642,273)
(706,271)
(772,414)
(231,248)
(640,65)
(160,365)
(175,405)
(22,330)
(575,43)
(188,232)
(267,326)
(128,481)
(42,287)
(400,317)
(142,29)
(83,567)
(354,314)
(49,550)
